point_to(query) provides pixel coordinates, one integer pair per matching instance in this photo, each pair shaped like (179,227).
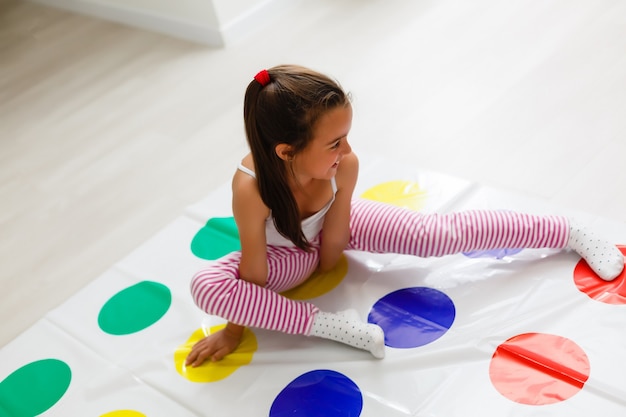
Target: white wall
(212,22)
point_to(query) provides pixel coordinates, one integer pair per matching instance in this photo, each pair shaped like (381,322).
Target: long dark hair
(285,111)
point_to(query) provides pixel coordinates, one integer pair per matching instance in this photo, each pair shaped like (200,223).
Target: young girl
(293,205)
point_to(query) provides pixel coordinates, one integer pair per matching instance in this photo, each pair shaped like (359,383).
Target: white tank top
(311,226)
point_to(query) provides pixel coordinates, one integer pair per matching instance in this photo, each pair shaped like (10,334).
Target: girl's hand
(215,346)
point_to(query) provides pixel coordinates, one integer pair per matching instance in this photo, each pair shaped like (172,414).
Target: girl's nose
(346,147)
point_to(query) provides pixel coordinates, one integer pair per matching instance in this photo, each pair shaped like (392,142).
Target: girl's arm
(250,214)
(336,230)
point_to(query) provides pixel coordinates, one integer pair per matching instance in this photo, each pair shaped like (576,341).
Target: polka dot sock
(346,327)
(603,257)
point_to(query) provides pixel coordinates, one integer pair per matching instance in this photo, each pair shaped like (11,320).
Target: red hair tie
(263,78)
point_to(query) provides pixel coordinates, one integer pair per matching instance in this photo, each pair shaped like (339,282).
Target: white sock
(603,257)
(346,327)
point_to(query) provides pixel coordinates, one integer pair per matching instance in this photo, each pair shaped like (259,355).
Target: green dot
(34,388)
(217,238)
(135,308)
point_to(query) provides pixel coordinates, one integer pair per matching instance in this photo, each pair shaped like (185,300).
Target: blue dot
(493,253)
(319,393)
(413,317)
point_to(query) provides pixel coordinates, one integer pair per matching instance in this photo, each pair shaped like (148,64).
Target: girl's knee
(207,286)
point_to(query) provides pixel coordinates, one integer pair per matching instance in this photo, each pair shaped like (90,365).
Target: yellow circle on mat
(319,283)
(215,371)
(406,194)
(123,413)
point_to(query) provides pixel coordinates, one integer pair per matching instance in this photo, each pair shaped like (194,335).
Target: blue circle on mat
(413,317)
(319,393)
(493,253)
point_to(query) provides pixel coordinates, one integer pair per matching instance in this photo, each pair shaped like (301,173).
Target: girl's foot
(603,257)
(346,327)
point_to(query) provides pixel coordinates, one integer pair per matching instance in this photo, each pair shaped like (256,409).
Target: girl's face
(321,157)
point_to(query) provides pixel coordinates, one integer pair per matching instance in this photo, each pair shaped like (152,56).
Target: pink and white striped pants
(375,227)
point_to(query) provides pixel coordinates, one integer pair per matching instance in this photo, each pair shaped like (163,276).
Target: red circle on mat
(538,369)
(609,292)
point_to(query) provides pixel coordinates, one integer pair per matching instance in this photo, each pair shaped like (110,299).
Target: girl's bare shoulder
(245,181)
(246,196)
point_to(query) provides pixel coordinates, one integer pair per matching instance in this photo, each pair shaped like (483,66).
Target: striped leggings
(375,227)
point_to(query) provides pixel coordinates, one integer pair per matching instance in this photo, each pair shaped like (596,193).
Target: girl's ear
(284,151)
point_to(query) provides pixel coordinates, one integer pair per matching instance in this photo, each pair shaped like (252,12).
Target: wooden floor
(107,132)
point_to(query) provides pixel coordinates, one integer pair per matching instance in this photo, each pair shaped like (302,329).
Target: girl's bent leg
(218,290)
(379,227)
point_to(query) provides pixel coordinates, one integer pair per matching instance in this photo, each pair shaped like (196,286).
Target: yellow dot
(123,413)
(406,194)
(319,283)
(215,371)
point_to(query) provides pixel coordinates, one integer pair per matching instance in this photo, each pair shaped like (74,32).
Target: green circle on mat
(34,388)
(135,308)
(217,238)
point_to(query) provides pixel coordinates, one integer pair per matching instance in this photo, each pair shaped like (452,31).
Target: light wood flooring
(107,133)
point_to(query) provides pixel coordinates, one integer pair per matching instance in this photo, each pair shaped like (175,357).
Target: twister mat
(510,332)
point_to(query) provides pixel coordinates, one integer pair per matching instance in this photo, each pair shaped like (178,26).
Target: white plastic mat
(512,332)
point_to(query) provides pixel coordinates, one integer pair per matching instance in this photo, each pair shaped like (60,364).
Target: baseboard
(141,19)
(227,32)
(253,19)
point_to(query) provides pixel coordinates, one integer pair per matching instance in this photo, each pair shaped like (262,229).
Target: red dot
(538,369)
(609,292)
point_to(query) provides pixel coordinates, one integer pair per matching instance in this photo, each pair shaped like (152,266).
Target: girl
(293,205)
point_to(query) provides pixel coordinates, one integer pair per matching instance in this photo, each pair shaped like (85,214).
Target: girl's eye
(335,145)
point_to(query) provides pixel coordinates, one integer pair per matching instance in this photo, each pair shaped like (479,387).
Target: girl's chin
(330,174)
